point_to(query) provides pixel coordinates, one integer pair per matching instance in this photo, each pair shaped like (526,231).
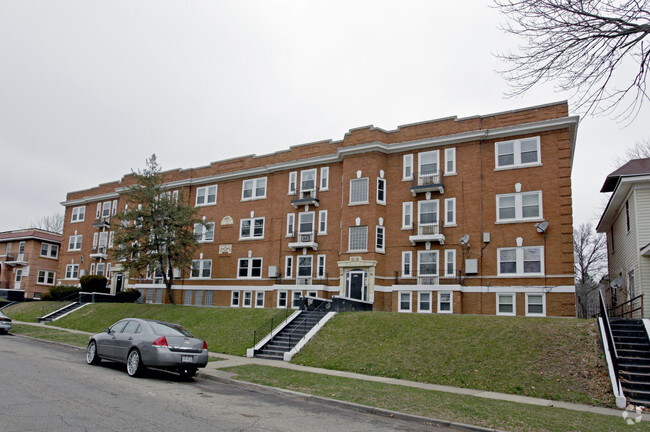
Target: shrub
(127,296)
(60,292)
(93,283)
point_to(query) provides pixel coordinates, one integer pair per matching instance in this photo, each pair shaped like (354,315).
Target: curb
(363,408)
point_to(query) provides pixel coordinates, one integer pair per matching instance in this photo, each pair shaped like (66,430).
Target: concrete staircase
(61,312)
(289,336)
(633,349)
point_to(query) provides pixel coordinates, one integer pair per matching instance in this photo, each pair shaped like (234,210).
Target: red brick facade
(493,178)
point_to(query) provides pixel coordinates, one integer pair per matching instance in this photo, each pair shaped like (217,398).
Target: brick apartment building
(29,259)
(453,215)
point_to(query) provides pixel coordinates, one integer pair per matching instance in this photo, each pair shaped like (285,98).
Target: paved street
(47,387)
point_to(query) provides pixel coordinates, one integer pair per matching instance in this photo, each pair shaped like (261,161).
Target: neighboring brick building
(376,217)
(28,262)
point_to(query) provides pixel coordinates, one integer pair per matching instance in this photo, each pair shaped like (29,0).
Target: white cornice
(616,200)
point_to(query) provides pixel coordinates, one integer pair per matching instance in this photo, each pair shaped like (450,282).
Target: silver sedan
(141,343)
(5,323)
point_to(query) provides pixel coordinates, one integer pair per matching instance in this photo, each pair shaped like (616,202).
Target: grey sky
(88,90)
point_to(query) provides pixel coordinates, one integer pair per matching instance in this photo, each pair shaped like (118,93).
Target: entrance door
(119,280)
(19,276)
(355,284)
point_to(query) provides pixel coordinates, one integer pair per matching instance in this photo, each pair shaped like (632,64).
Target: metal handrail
(302,324)
(629,313)
(269,324)
(608,334)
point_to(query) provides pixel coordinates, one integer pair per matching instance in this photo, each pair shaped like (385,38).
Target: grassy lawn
(29,311)
(550,358)
(50,334)
(444,406)
(225,330)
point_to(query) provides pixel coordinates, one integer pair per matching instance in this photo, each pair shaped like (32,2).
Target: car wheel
(134,366)
(91,354)
(187,373)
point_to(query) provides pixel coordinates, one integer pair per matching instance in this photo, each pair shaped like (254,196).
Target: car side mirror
(107,331)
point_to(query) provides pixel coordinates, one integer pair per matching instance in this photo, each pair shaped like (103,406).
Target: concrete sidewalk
(214,369)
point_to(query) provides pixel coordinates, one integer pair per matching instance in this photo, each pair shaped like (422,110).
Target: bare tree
(580,46)
(590,264)
(53,223)
(641,150)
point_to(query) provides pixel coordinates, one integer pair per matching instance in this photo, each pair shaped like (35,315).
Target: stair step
(633,353)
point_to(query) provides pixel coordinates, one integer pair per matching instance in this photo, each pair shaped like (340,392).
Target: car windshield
(169,329)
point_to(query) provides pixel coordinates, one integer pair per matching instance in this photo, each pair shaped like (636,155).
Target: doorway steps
(60,313)
(633,349)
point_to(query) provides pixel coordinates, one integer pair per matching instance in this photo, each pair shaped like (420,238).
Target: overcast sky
(89,90)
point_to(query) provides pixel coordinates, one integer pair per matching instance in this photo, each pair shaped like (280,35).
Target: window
(103,239)
(306,223)
(517,153)
(46,277)
(248,298)
(424,302)
(322,222)
(427,267)
(308,180)
(450,211)
(49,250)
(320,271)
(92,268)
(519,206)
(295,299)
(249,268)
(407,260)
(204,233)
(291,222)
(78,214)
(108,270)
(428,222)
(358,241)
(254,189)
(505,304)
(405,301)
(201,269)
(407,167)
(445,302)
(450,161)
(72,271)
(627,215)
(75,243)
(288,266)
(304,269)
(111,238)
(187,298)
(114,212)
(95,240)
(293,176)
(106,210)
(259,299)
(631,287)
(324,178)
(198,298)
(381,191)
(101,268)
(450,263)
(252,228)
(359,191)
(428,168)
(407,215)
(206,195)
(380,245)
(535,305)
(521,261)
(282,299)
(234,298)
(99,210)
(159,296)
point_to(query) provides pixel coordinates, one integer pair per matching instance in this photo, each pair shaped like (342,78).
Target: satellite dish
(464,239)
(617,283)
(541,227)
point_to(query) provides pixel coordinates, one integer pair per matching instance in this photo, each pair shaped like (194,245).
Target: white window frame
(437,212)
(288,266)
(313,222)
(114,208)
(450,157)
(322,222)
(420,294)
(291,224)
(519,262)
(251,234)
(324,178)
(98,212)
(451,302)
(308,258)
(436,156)
(204,192)
(259,295)
(106,210)
(514,304)
(450,205)
(303,173)
(321,269)
(235,298)
(95,240)
(49,247)
(293,178)
(407,258)
(360,180)
(250,267)
(254,186)
(360,229)
(407,210)
(247,301)
(399,301)
(519,210)
(75,245)
(286,299)
(102,266)
(543,296)
(381,181)
(201,267)
(380,248)
(72,271)
(201,232)
(517,154)
(46,276)
(111,238)
(450,253)
(407,165)
(78,214)
(437,262)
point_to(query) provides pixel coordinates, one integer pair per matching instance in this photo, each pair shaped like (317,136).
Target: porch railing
(268,326)
(632,308)
(431,178)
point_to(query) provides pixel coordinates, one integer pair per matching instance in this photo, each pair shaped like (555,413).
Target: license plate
(187,359)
